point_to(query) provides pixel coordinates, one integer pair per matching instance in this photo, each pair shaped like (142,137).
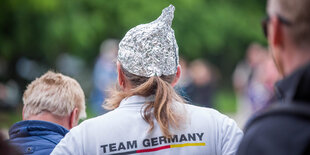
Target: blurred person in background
(261,88)
(10,92)
(53,104)
(244,69)
(243,73)
(148,115)
(201,89)
(284,128)
(104,75)
(243,77)
(9,95)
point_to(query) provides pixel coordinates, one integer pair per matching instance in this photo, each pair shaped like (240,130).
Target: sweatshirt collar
(136,99)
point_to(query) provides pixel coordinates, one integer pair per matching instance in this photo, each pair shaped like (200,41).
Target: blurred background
(222,48)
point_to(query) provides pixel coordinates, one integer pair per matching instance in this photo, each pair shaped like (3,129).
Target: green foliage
(9,117)
(218,30)
(225,101)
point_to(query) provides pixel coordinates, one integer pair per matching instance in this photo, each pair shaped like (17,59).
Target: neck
(295,60)
(49,117)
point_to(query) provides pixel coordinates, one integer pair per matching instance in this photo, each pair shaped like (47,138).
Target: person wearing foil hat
(148,116)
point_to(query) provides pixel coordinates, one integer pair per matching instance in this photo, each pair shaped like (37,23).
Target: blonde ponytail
(161,108)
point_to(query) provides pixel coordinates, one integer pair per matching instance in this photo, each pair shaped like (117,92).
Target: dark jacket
(36,137)
(288,133)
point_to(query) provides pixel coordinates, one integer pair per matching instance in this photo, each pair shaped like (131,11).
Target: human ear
(276,42)
(177,76)
(120,76)
(276,36)
(74,118)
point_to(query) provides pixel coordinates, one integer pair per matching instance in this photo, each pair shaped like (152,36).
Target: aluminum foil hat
(151,49)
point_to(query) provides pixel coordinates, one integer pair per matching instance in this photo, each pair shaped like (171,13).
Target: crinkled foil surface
(151,49)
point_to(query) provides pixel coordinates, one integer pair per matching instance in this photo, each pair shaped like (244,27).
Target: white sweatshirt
(123,131)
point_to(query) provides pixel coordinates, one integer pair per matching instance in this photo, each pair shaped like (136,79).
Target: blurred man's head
(288,31)
(200,72)
(56,98)
(256,54)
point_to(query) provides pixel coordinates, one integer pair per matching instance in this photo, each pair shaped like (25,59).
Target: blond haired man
(53,104)
(285,128)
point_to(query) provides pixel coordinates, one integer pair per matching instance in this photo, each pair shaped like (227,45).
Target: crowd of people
(148,115)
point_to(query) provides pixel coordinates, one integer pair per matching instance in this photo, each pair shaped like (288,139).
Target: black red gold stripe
(163,147)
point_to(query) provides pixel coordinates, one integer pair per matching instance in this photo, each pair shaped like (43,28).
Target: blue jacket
(36,137)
